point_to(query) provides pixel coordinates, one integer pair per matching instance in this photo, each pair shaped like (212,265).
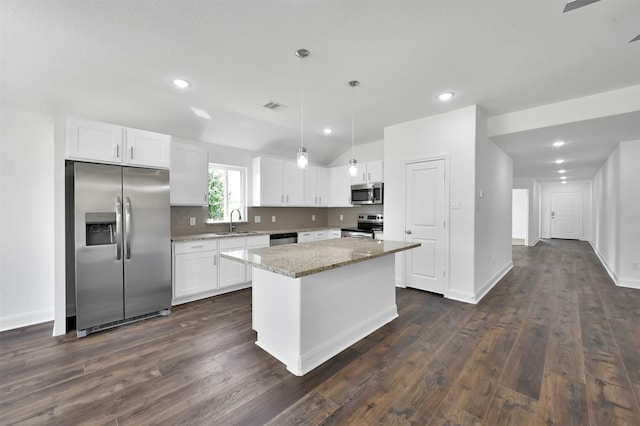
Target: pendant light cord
(353,121)
(302,101)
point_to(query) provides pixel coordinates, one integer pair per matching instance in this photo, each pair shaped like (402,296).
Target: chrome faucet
(231,225)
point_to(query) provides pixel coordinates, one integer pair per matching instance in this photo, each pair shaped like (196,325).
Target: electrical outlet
(273,219)
(341,218)
(192,221)
(313,217)
(455,204)
(257,219)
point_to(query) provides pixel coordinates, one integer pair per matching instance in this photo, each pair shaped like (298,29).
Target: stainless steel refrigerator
(121,255)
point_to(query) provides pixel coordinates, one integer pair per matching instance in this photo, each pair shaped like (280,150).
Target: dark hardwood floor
(554,343)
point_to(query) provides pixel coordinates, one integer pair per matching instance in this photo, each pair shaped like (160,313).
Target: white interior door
(425,224)
(566,215)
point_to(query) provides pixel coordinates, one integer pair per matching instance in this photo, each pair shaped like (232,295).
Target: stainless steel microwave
(368,193)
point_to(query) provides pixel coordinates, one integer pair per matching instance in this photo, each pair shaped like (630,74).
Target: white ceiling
(113,61)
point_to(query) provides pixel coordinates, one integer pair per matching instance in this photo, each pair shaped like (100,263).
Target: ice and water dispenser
(100,228)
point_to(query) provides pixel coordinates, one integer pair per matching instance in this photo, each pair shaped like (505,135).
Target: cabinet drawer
(258,241)
(195,246)
(232,243)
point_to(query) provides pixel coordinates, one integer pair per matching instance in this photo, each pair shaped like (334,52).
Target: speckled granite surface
(299,260)
(213,235)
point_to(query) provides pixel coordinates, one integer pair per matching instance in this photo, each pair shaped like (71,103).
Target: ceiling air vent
(274,106)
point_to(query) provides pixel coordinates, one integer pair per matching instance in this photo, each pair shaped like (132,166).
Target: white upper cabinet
(93,141)
(293,185)
(316,186)
(339,187)
(107,143)
(371,171)
(189,175)
(277,182)
(147,149)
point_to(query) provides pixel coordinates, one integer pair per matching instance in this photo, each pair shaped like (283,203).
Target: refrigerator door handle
(127,228)
(118,229)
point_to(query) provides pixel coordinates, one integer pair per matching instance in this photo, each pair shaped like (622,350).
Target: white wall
(583,187)
(26,218)
(519,213)
(534,206)
(616,214)
(493,186)
(452,135)
(371,151)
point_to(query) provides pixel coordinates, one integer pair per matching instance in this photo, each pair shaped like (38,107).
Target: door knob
(408,231)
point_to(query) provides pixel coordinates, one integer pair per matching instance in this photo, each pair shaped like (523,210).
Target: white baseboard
(11,322)
(618,281)
(216,292)
(535,242)
(475,297)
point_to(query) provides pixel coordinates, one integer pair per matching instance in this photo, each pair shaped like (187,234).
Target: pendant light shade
(353,163)
(302,159)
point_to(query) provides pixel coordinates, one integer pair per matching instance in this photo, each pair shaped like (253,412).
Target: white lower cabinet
(232,272)
(320,235)
(305,237)
(334,233)
(195,268)
(199,271)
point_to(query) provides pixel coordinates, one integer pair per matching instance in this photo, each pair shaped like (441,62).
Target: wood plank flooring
(554,343)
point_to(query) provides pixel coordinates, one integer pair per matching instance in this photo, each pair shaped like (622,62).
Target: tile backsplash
(287,218)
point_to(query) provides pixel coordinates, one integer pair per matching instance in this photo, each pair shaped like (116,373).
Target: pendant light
(302,157)
(353,168)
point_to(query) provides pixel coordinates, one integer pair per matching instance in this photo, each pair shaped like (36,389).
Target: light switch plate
(313,217)
(273,219)
(455,204)
(257,219)
(341,218)
(192,221)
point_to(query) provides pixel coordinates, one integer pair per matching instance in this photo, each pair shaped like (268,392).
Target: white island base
(305,321)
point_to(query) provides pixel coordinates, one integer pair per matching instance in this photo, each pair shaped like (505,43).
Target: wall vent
(274,106)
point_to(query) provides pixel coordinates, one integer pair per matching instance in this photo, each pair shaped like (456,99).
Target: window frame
(244,192)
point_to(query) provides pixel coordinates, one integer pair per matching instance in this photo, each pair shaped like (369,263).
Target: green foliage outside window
(216,194)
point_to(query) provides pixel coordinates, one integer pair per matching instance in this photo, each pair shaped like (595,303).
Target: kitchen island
(313,300)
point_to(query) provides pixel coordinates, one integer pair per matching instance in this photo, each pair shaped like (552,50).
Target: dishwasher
(284,238)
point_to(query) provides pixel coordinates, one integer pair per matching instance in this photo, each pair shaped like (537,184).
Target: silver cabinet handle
(118,229)
(369,175)
(553,215)
(287,198)
(215,260)
(281,199)
(131,149)
(363,177)
(408,231)
(127,228)
(117,149)
(205,197)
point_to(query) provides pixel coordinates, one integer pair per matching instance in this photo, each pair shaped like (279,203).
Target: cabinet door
(375,171)
(339,187)
(231,272)
(270,182)
(322,186)
(310,183)
(93,141)
(147,149)
(293,184)
(361,176)
(189,175)
(195,273)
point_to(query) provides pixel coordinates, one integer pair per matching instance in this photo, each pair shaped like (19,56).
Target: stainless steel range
(368,225)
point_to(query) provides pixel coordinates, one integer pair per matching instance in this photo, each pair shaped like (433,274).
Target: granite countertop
(299,260)
(215,235)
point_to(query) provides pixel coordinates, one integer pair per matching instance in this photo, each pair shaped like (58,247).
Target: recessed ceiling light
(564,182)
(445,96)
(558,143)
(327,131)
(561,171)
(563,177)
(182,84)
(559,161)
